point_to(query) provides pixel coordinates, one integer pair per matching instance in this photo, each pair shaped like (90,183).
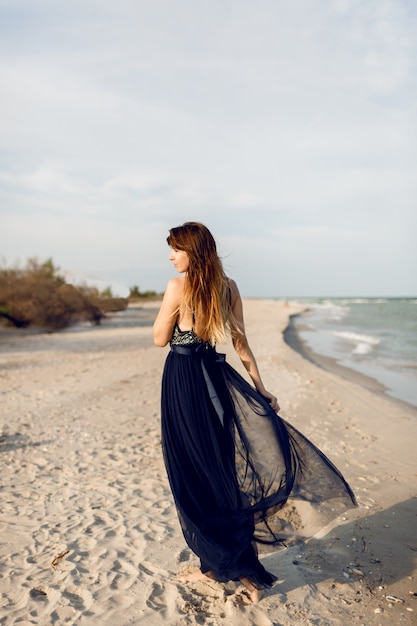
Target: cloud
(290,128)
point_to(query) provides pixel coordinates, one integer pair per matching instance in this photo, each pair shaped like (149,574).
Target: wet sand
(294,340)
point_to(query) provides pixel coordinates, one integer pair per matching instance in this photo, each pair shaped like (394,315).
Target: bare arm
(241,345)
(165,320)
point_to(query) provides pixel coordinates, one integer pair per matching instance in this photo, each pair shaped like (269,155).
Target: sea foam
(363,344)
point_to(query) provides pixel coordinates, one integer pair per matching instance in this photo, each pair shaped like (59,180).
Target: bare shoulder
(175,288)
(176,284)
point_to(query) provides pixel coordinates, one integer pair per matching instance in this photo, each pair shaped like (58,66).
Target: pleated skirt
(240,475)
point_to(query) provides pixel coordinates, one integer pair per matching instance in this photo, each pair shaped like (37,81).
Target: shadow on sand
(9,442)
(378,549)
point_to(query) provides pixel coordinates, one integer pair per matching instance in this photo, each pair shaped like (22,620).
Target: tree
(134,292)
(107,293)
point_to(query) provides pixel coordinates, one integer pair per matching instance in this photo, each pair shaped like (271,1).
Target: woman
(232,462)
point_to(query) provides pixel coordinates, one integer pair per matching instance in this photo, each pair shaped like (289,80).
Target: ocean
(376,337)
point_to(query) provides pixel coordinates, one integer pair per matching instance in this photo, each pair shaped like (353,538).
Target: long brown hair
(207,291)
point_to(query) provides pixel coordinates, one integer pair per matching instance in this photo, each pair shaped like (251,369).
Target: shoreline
(293,339)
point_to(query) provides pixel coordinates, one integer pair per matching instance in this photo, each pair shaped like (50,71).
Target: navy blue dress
(240,475)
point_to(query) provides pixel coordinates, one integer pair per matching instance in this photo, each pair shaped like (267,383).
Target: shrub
(38,296)
(136,294)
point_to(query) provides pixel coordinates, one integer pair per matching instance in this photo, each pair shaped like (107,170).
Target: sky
(288,127)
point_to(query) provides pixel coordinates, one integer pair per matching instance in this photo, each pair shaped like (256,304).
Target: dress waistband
(198,349)
(186,350)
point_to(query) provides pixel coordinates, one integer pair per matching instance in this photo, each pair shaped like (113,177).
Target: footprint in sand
(79,599)
(184,555)
(205,603)
(63,614)
(163,599)
(158,532)
(42,597)
(123,574)
(151,570)
(4,601)
(156,598)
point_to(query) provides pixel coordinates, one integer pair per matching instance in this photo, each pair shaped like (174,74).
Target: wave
(334,311)
(360,301)
(363,344)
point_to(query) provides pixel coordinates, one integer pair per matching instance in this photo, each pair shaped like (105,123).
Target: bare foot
(252,592)
(191,577)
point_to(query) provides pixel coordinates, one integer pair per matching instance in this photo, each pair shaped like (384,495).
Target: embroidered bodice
(184,337)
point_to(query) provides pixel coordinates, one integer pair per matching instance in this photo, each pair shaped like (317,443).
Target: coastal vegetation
(137,295)
(39,296)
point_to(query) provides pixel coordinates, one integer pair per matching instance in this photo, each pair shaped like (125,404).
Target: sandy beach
(89,531)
